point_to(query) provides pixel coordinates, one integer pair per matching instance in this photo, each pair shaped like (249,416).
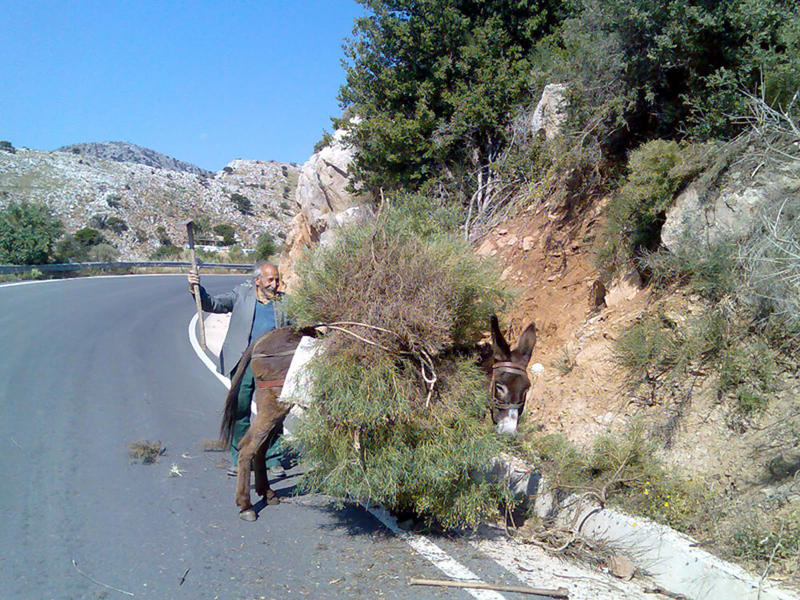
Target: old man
(256,307)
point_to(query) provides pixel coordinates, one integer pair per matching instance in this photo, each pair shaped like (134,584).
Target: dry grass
(146,452)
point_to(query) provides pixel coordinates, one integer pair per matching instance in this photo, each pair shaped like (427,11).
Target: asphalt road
(91,365)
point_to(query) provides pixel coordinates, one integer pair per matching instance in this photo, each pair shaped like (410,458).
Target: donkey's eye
(500,389)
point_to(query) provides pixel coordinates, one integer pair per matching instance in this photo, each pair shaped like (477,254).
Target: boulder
(325,202)
(706,213)
(323,182)
(550,112)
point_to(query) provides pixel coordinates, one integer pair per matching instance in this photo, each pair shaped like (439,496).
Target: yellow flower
(666,503)
(646,491)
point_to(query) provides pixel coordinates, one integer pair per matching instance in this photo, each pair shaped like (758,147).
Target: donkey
(269,358)
(510,380)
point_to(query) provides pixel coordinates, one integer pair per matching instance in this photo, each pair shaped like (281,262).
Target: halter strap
(273,383)
(511,367)
(507,367)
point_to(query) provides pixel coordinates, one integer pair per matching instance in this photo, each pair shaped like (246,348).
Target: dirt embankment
(582,393)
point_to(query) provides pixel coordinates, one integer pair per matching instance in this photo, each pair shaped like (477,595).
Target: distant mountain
(147,203)
(126,152)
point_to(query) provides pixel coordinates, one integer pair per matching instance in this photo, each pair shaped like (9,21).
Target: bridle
(507,367)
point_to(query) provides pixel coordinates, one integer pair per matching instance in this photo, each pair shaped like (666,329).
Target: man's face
(268,281)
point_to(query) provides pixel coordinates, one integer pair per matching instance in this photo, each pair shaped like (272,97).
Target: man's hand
(194,280)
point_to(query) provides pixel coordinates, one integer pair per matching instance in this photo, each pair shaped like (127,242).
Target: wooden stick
(198,303)
(480,585)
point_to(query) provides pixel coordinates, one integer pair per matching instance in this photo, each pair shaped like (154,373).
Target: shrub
(325,141)
(658,351)
(236,255)
(376,430)
(116,224)
(163,236)
(114,201)
(67,250)
(625,469)
(166,252)
(265,247)
(713,272)
(770,260)
(88,237)
(103,253)
(770,538)
(7,146)
(657,171)
(27,233)
(227,232)
(242,203)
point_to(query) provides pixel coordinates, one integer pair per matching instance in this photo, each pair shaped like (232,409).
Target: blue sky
(202,81)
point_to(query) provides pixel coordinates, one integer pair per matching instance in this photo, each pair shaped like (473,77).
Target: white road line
(440,559)
(419,543)
(203,356)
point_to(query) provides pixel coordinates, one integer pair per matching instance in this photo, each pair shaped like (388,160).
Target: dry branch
(480,585)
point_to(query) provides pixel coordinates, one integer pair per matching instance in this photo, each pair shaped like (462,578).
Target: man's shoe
(233,472)
(277,471)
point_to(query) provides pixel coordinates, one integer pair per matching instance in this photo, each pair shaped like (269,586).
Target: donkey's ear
(499,344)
(526,343)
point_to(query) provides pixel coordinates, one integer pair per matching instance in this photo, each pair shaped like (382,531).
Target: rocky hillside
(127,152)
(252,196)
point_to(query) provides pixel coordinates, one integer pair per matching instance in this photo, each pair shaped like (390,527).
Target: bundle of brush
(399,407)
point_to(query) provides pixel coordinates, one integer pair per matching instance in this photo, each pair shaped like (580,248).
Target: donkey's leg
(269,418)
(247,449)
(260,469)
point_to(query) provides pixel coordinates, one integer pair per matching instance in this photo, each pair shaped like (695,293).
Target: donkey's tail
(231,400)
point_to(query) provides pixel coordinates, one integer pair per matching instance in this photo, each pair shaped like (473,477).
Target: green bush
(116,224)
(28,232)
(265,247)
(642,69)
(227,232)
(163,236)
(657,171)
(166,252)
(242,203)
(657,351)
(713,272)
(323,142)
(237,256)
(376,431)
(88,237)
(625,468)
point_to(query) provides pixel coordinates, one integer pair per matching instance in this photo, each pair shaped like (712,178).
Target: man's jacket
(241,302)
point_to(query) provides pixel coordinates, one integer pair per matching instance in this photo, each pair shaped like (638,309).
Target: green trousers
(242,422)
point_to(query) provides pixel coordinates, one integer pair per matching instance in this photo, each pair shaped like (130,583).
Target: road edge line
(202,355)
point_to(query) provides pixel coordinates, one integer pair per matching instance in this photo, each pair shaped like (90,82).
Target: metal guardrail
(67,267)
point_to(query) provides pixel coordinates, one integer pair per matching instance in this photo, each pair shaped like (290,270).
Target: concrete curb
(669,558)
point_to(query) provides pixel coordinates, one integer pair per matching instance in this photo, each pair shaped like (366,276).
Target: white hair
(263,263)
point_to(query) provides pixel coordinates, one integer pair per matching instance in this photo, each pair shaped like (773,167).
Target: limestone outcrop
(324,200)
(550,112)
(731,207)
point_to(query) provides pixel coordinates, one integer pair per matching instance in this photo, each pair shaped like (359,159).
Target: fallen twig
(183,577)
(480,585)
(105,585)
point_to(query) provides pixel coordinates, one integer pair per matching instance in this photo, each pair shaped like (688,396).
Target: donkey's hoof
(248,515)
